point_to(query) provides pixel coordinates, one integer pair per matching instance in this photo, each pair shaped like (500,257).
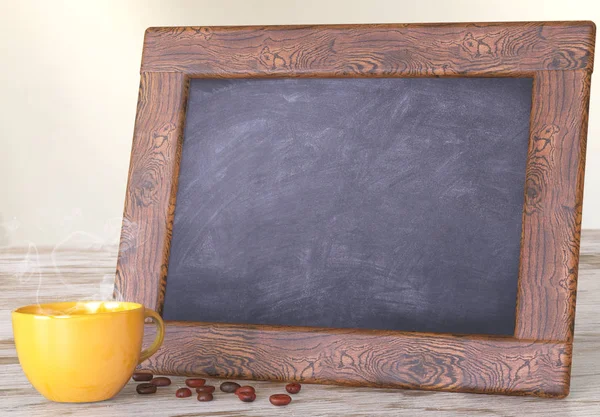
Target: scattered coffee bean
(183,393)
(146,389)
(142,376)
(161,381)
(247,397)
(205,388)
(195,382)
(280,399)
(205,396)
(229,386)
(293,388)
(246,389)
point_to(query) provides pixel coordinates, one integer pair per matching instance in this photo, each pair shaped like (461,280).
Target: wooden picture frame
(535,361)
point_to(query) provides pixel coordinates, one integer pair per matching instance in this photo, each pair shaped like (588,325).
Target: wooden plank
(151,190)
(350,357)
(553,205)
(399,50)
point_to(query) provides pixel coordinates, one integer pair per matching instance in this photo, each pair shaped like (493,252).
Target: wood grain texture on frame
(151,189)
(474,49)
(553,206)
(365,358)
(536,361)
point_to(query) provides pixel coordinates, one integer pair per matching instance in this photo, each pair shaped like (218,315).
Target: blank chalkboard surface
(385,203)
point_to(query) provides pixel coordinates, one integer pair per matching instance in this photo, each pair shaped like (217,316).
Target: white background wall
(69,76)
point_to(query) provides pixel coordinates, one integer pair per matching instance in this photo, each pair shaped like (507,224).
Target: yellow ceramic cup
(82,351)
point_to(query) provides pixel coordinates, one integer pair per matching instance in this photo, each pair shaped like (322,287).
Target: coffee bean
(183,393)
(247,397)
(206,388)
(195,382)
(229,386)
(142,376)
(161,381)
(246,389)
(145,389)
(205,396)
(293,388)
(280,399)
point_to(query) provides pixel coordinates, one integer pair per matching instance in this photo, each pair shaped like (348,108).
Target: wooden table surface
(33,275)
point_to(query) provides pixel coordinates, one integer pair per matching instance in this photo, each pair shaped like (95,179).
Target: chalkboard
(380,203)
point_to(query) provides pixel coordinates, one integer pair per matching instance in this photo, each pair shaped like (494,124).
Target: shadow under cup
(82,351)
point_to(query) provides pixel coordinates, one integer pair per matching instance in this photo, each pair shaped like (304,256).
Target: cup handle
(160,334)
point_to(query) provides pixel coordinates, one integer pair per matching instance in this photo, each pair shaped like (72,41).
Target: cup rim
(35,313)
